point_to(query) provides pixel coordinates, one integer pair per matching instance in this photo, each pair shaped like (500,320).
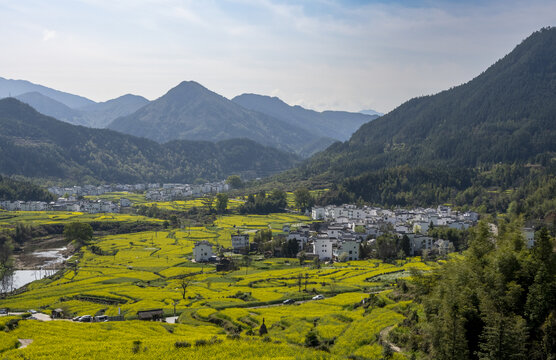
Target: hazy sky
(323,54)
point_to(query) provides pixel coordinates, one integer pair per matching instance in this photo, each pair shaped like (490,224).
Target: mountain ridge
(191,111)
(12,88)
(338,125)
(35,145)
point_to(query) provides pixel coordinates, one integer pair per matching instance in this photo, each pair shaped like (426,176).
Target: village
(72,198)
(153,191)
(339,232)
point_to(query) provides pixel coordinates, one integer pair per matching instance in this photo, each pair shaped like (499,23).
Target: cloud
(322,53)
(48,35)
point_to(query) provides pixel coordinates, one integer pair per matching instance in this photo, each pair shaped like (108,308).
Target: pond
(51,258)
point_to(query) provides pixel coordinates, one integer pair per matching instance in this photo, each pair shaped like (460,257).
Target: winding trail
(384,337)
(24,343)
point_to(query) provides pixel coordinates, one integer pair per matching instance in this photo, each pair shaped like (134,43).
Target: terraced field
(222,310)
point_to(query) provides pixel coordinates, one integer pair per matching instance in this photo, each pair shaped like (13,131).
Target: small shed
(154,314)
(57,314)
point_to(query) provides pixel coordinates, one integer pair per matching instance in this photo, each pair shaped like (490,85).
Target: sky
(323,54)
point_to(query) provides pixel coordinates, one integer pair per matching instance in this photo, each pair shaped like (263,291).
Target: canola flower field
(219,314)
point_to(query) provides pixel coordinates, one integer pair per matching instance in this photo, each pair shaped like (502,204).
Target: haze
(350,55)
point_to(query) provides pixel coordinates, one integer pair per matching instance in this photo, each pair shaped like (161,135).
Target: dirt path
(384,335)
(24,343)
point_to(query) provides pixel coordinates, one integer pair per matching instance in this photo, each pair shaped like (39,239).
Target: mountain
(9,88)
(190,111)
(339,125)
(37,146)
(506,114)
(371,112)
(99,115)
(51,107)
(96,115)
(489,143)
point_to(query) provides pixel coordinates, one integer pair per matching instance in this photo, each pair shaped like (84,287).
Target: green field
(141,271)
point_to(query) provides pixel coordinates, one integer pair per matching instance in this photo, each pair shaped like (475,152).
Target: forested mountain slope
(38,146)
(507,114)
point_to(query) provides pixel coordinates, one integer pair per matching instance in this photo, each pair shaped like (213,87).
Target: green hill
(12,190)
(485,133)
(37,146)
(506,114)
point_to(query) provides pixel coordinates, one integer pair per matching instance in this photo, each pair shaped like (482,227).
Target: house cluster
(333,243)
(66,204)
(348,225)
(170,192)
(92,190)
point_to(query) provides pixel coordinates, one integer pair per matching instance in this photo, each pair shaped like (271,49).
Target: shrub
(136,346)
(182,344)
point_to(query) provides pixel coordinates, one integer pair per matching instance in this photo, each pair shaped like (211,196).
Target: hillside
(51,107)
(190,111)
(506,114)
(96,115)
(34,145)
(339,125)
(12,190)
(13,88)
(99,115)
(481,144)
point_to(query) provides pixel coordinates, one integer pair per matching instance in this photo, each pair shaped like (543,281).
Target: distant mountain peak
(10,87)
(371,112)
(337,125)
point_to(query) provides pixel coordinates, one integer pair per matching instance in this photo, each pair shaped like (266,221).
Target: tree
(221,203)
(22,233)
(6,262)
(405,245)
(263,236)
(290,248)
(301,256)
(279,197)
(80,233)
(386,246)
(208,202)
(303,199)
(234,181)
(184,283)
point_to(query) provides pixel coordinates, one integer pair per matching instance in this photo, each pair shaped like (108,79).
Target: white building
(202,251)
(334,232)
(418,243)
(322,246)
(317,213)
(348,247)
(240,243)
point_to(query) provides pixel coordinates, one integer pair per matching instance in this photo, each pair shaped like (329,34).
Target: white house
(418,243)
(350,248)
(322,246)
(202,251)
(240,243)
(334,231)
